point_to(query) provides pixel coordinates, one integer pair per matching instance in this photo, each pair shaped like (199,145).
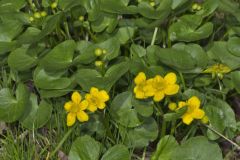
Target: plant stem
(62,141)
(183,81)
(144,153)
(224,137)
(154,36)
(163,130)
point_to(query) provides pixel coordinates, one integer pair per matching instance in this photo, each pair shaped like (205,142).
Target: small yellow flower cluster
(193,110)
(218,70)
(156,87)
(76,108)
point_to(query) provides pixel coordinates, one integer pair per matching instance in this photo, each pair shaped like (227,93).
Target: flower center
(74,108)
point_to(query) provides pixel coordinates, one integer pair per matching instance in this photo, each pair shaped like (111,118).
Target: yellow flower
(143,88)
(76,109)
(54,5)
(164,86)
(218,69)
(193,110)
(96,99)
(37,15)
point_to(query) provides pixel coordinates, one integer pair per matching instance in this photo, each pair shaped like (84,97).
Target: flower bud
(37,15)
(31,19)
(98,63)
(152,4)
(81,18)
(172,106)
(54,5)
(98,52)
(43,14)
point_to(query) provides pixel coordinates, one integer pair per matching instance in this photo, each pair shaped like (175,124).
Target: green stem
(183,81)
(163,130)
(67,30)
(224,137)
(144,153)
(154,36)
(62,141)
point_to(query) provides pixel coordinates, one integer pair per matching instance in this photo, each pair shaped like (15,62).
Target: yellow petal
(82,116)
(93,90)
(140,95)
(187,119)
(83,105)
(194,102)
(76,97)
(172,106)
(71,119)
(92,108)
(140,78)
(158,96)
(171,78)
(158,79)
(88,96)
(103,96)
(171,89)
(198,114)
(101,105)
(181,104)
(68,106)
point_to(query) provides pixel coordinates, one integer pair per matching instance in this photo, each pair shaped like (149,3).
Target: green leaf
(236,80)
(208,7)
(60,57)
(117,152)
(189,58)
(221,115)
(85,148)
(20,60)
(178,3)
(29,35)
(176,115)
(142,135)
(9,29)
(233,46)
(188,29)
(137,50)
(11,5)
(120,7)
(124,34)
(88,78)
(197,148)
(161,12)
(123,112)
(51,23)
(38,114)
(7,47)
(165,148)
(220,53)
(45,80)
(12,108)
(144,108)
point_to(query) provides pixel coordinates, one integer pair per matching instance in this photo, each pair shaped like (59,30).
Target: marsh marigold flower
(218,69)
(96,99)
(143,88)
(76,109)
(164,86)
(193,110)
